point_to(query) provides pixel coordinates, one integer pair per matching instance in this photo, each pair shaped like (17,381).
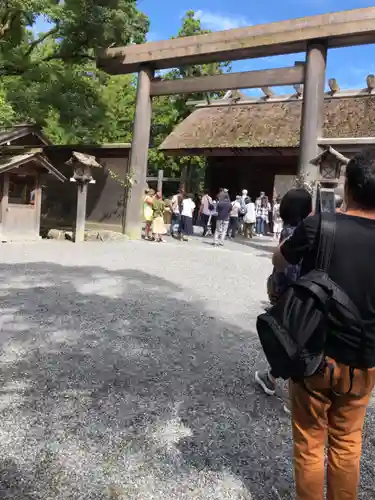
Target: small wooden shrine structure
(105,199)
(22,178)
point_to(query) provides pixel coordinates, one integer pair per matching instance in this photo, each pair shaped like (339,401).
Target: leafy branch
(41,39)
(127,183)
(7,22)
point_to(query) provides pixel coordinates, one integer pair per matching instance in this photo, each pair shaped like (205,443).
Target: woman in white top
(249,219)
(186,226)
(277,220)
(234,217)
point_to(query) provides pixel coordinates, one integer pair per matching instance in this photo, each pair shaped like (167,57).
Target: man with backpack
(323,329)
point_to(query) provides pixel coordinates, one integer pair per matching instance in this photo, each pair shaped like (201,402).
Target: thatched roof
(269,124)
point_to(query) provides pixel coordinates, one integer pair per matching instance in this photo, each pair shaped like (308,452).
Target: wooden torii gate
(313,35)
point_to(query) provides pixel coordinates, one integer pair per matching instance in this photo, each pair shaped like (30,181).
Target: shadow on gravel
(265,247)
(114,387)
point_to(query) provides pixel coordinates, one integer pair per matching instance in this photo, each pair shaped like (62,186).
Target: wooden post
(312,109)
(126,195)
(183,178)
(139,155)
(38,204)
(160,180)
(79,236)
(4,205)
(189,177)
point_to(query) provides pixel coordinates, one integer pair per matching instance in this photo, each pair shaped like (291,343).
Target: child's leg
(148,229)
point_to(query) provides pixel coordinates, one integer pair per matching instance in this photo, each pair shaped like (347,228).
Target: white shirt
(175,205)
(236,207)
(249,217)
(188,206)
(276,213)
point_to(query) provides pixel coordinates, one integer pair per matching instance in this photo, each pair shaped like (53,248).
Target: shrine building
(253,143)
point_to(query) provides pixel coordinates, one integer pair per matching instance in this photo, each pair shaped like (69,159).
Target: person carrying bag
(293,331)
(320,335)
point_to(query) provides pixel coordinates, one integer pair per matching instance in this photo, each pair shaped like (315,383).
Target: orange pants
(332,421)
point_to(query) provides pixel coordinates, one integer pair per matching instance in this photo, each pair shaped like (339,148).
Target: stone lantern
(82,165)
(330,163)
(82,175)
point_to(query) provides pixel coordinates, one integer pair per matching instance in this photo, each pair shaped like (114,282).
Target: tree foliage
(51,79)
(7,114)
(77,29)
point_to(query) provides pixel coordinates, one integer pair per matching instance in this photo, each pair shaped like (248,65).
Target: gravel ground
(127,373)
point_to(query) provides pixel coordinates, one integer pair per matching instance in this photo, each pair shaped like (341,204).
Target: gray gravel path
(127,373)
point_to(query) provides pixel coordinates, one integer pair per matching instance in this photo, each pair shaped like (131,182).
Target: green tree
(78,28)
(7,113)
(74,104)
(118,96)
(51,78)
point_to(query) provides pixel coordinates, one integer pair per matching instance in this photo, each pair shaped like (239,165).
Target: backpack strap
(326,241)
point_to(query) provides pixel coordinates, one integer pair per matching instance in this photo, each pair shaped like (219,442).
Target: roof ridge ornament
(370,81)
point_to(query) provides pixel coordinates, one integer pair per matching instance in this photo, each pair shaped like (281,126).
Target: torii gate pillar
(139,155)
(312,119)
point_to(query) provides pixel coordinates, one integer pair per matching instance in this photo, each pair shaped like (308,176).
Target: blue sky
(349,66)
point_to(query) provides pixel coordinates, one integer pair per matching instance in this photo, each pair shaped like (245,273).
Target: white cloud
(219,22)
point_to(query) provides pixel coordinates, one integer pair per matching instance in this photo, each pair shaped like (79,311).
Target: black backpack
(293,331)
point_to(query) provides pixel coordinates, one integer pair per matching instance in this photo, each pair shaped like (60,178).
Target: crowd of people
(218,216)
(227,218)
(181,208)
